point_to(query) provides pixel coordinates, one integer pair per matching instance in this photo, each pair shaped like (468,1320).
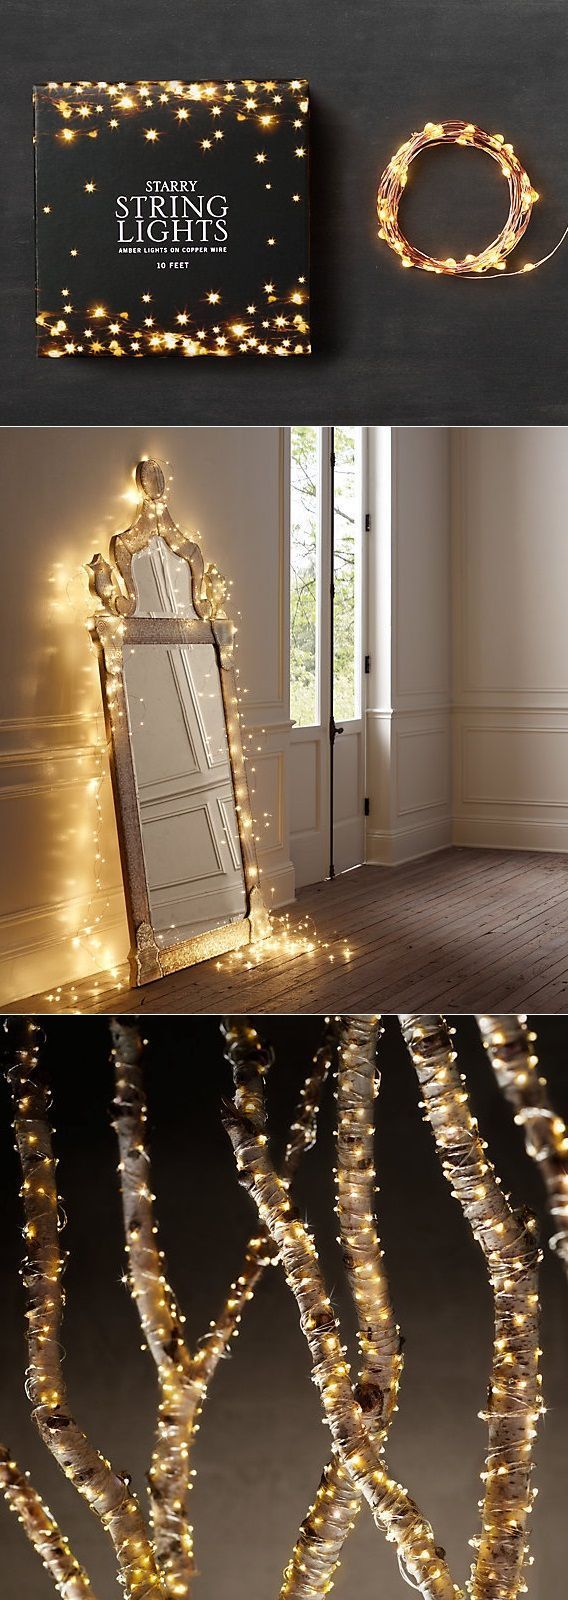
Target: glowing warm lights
(331,1517)
(509,1244)
(65,114)
(392,1507)
(96,964)
(511,1049)
(491,260)
(184,1378)
(106,1492)
(159,1563)
(164,1566)
(114,627)
(42,1531)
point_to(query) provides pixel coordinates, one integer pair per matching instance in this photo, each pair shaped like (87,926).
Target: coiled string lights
(522,196)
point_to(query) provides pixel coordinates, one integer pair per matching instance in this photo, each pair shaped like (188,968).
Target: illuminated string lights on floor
(286,939)
(510,1046)
(489,262)
(509,1243)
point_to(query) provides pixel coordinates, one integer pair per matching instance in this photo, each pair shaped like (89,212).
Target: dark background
(119,161)
(261,1445)
(391,346)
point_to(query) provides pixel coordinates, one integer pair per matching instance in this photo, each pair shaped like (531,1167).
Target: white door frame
(350,754)
(309,763)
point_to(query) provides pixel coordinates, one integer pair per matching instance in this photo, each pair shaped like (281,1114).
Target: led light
(493,259)
(512,1257)
(392,1507)
(510,1047)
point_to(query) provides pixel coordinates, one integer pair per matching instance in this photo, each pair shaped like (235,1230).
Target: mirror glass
(162,581)
(186,806)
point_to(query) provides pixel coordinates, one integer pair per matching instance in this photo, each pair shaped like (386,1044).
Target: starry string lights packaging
(172,218)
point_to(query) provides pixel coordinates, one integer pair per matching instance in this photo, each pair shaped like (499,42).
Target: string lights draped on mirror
(156,1557)
(166,653)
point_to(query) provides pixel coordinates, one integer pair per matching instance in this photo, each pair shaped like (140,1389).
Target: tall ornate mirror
(165,647)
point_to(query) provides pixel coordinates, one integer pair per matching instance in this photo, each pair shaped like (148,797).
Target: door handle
(334,730)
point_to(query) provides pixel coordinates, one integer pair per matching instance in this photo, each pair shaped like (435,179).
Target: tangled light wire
(491,261)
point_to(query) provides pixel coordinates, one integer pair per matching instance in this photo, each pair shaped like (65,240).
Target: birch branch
(181,1388)
(317,1553)
(510,1047)
(42,1531)
(323,1531)
(392,1507)
(184,1377)
(242,1044)
(105,1491)
(508,1241)
(379,1336)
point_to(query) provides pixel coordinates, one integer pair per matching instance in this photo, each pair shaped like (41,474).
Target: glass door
(347,729)
(327,487)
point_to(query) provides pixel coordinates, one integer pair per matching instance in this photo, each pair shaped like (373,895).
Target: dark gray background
(390,346)
(261,1445)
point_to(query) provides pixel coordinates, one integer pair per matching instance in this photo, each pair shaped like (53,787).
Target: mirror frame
(116,626)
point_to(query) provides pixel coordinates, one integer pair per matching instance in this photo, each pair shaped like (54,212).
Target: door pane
(304,561)
(346,575)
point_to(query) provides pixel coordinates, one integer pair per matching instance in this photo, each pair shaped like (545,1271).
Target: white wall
(65,492)
(510,560)
(469,541)
(408,714)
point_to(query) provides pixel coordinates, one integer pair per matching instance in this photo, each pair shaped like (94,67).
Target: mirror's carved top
(113,581)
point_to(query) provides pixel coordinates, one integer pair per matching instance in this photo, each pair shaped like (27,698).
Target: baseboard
(510,833)
(390,847)
(278,883)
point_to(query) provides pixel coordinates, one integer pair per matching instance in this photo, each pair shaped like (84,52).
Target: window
(304,575)
(346,577)
(326,496)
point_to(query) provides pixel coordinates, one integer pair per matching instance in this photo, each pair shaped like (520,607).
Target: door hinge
(366,806)
(367,522)
(367,663)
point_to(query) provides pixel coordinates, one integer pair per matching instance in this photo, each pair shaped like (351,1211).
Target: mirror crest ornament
(166,655)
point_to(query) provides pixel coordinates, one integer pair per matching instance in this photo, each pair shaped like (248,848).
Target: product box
(172,219)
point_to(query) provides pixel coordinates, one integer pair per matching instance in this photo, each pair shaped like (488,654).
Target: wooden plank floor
(463,930)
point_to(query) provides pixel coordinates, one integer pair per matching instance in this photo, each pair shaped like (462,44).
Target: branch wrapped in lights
(392,1507)
(181,1391)
(330,1519)
(42,1530)
(184,1378)
(510,1047)
(379,1337)
(106,1492)
(324,1530)
(507,1239)
(491,260)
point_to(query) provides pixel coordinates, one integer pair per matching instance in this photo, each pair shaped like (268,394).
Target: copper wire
(521,200)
